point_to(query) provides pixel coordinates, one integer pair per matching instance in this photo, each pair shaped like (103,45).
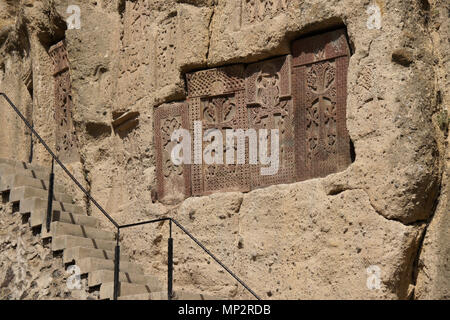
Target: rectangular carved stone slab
(166,48)
(268,96)
(66,142)
(173,182)
(58,53)
(216,98)
(213,82)
(320,89)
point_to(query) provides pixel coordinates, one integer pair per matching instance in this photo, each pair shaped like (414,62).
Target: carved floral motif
(66,141)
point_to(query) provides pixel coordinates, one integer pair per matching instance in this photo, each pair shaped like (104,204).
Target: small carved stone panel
(320,89)
(255,11)
(166,49)
(268,98)
(66,142)
(173,181)
(301,96)
(216,98)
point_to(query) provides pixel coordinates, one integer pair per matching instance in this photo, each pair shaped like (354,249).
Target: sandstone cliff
(306,240)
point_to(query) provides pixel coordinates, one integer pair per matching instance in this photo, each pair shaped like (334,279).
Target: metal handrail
(198,243)
(119,227)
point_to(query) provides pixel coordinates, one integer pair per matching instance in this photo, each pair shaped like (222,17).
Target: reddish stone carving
(173,181)
(268,95)
(216,98)
(320,89)
(214,82)
(303,96)
(66,142)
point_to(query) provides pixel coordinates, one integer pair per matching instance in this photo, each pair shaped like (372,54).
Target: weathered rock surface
(28,269)
(313,239)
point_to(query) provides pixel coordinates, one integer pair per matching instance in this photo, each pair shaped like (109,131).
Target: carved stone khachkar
(216,98)
(320,91)
(254,11)
(174,182)
(66,142)
(303,96)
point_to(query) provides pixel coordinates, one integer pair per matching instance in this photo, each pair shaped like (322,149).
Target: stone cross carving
(303,95)
(268,97)
(66,141)
(320,91)
(255,11)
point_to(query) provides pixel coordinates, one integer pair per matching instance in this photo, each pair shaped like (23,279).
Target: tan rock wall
(28,269)
(313,239)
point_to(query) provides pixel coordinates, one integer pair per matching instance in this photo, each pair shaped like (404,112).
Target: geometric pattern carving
(66,142)
(254,11)
(320,77)
(215,82)
(303,95)
(216,98)
(173,181)
(268,97)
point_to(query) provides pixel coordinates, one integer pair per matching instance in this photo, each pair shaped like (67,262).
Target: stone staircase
(77,235)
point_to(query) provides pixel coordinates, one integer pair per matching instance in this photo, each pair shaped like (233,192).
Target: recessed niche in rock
(66,142)
(302,95)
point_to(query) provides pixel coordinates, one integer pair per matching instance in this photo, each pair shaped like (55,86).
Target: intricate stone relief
(320,78)
(173,181)
(268,95)
(66,142)
(216,98)
(303,96)
(254,11)
(216,81)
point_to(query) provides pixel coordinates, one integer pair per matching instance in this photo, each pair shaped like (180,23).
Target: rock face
(379,228)
(28,269)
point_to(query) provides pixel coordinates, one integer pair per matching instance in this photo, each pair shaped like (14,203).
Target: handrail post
(30,158)
(117,266)
(50,197)
(170,263)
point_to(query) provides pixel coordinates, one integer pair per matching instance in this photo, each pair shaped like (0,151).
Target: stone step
(39,217)
(24,165)
(162,295)
(62,229)
(98,277)
(64,242)
(76,253)
(30,205)
(15,180)
(92,264)
(125,289)
(20,193)
(6,169)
